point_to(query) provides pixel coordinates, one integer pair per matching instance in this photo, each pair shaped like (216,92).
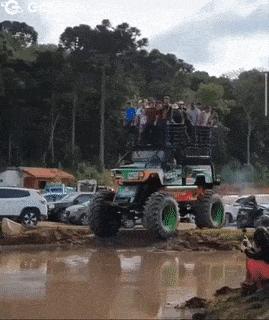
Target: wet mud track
(126,283)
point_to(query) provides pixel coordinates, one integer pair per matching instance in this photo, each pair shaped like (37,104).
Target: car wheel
(29,217)
(84,219)
(228,219)
(63,217)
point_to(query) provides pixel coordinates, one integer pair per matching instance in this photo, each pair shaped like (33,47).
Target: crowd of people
(149,118)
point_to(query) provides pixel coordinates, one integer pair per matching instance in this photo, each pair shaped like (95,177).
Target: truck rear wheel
(210,211)
(161,215)
(103,220)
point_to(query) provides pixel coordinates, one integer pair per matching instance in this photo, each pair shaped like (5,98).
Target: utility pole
(266,93)
(102,118)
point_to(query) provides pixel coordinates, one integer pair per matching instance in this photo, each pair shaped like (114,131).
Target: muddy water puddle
(111,283)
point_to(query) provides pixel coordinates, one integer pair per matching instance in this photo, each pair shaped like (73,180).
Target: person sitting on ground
(257,261)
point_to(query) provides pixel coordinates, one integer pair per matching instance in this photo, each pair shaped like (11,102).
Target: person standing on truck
(141,120)
(177,114)
(204,117)
(130,115)
(149,131)
(193,114)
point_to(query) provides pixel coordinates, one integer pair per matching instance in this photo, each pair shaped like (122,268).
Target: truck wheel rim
(169,218)
(218,214)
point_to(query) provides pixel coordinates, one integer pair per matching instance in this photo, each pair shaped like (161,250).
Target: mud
(107,283)
(188,238)
(230,304)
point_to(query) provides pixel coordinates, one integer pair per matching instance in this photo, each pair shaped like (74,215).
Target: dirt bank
(230,304)
(188,238)
(48,233)
(206,239)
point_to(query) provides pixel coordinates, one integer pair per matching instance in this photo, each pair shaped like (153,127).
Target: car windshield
(70,197)
(191,173)
(56,190)
(85,204)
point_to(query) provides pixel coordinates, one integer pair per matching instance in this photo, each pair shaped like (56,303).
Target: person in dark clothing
(188,124)
(149,131)
(260,248)
(257,260)
(177,114)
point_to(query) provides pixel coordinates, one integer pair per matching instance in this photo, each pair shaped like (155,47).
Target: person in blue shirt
(130,115)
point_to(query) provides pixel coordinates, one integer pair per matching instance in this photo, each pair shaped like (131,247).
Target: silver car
(78,214)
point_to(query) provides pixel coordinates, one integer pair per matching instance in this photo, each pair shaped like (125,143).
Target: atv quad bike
(158,185)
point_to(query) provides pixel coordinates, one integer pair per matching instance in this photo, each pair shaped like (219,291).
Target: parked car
(52,197)
(233,203)
(24,205)
(251,214)
(58,188)
(78,214)
(57,209)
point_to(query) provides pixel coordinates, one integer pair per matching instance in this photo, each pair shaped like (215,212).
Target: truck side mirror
(217,180)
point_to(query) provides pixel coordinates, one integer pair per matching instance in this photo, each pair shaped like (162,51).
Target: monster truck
(157,185)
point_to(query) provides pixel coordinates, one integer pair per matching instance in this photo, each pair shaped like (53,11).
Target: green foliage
(38,84)
(210,94)
(87,171)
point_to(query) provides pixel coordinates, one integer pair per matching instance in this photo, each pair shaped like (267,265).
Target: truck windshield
(191,173)
(147,155)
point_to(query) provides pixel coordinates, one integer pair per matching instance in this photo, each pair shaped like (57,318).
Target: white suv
(24,205)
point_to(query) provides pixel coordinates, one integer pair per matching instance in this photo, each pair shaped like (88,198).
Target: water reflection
(109,283)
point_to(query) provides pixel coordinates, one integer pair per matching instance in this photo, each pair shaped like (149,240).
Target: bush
(87,171)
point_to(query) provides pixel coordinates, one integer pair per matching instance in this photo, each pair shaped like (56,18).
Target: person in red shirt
(257,263)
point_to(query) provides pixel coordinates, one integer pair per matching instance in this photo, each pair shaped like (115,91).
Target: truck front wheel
(161,215)
(103,220)
(209,212)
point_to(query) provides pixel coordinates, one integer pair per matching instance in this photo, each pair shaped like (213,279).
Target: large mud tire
(209,212)
(161,215)
(103,220)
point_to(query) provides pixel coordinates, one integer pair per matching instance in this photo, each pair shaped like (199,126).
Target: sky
(217,36)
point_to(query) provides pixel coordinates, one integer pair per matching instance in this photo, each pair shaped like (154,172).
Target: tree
(210,94)
(249,94)
(22,32)
(102,46)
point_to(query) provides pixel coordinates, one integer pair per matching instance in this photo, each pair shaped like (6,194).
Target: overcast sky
(217,36)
